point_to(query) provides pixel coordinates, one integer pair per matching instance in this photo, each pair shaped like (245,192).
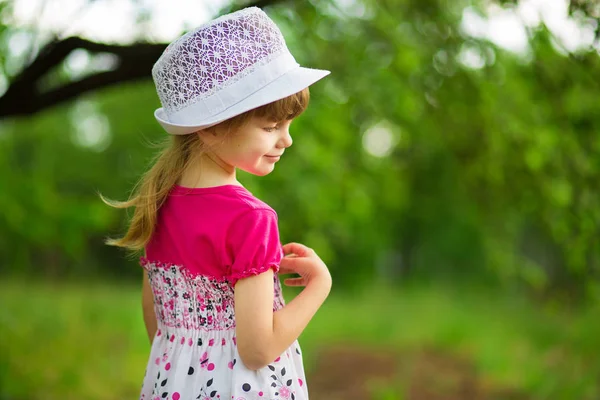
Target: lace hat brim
(289,83)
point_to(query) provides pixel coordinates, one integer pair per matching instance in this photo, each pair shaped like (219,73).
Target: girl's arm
(263,335)
(148,308)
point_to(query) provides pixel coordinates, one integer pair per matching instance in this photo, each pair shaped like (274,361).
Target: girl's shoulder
(253,202)
(232,198)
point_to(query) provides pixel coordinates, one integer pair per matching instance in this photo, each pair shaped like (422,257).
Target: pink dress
(206,239)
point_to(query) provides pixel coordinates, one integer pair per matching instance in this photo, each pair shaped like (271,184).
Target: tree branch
(23,96)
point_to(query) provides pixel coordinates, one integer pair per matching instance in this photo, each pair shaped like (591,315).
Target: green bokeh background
(456,205)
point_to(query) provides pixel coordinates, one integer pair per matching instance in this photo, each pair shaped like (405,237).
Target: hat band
(214,104)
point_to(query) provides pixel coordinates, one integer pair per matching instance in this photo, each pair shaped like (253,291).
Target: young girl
(212,297)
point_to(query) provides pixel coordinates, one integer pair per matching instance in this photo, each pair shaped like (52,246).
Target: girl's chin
(264,170)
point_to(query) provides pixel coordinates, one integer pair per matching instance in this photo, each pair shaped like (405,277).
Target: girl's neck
(208,171)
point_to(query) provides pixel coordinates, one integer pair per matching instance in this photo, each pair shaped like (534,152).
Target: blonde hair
(168,165)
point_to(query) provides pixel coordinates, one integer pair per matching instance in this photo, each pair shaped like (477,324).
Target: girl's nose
(286,140)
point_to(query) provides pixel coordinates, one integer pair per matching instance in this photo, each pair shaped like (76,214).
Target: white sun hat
(224,68)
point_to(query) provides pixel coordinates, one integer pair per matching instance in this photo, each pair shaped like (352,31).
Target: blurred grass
(67,341)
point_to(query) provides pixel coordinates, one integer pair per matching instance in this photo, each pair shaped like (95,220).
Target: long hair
(168,165)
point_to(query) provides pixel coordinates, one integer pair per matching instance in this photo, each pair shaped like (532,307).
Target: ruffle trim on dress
(232,278)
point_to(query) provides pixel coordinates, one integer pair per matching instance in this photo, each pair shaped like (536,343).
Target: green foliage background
(492,179)
(493,174)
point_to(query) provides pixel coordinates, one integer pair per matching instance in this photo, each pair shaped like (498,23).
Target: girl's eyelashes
(270,128)
(278,125)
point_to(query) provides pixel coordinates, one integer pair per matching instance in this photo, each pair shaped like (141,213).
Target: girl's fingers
(294,282)
(285,270)
(290,264)
(298,249)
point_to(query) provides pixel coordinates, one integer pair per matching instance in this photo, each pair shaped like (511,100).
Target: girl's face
(254,148)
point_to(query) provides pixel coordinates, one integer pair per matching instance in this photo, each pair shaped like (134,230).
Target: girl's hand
(303,261)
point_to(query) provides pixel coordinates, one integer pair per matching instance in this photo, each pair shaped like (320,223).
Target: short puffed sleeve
(253,244)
